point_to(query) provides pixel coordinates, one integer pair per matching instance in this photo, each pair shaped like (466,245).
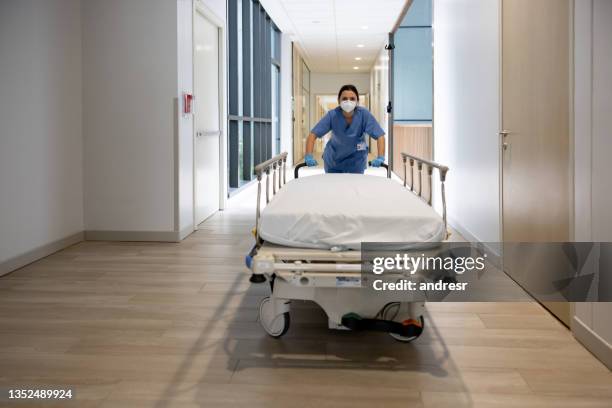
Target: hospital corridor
(305,203)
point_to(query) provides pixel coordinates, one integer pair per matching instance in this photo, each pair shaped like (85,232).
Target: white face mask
(348,106)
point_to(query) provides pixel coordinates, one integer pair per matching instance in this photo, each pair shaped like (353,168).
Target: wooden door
(536,128)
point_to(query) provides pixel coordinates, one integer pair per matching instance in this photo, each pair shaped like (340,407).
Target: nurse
(347,151)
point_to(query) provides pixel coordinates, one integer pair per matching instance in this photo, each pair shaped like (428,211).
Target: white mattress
(343,210)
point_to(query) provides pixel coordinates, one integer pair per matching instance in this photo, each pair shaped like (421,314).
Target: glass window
(254,89)
(419,14)
(413,66)
(276,108)
(413,73)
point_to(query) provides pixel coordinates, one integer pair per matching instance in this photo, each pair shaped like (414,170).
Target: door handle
(504,133)
(208,133)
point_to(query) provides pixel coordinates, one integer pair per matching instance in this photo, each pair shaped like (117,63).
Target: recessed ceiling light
(357,58)
(364,27)
(360,45)
(355,67)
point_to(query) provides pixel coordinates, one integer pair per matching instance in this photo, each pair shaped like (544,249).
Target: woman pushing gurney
(310,249)
(347,151)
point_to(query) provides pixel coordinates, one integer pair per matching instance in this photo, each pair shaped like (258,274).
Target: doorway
(207,84)
(535,145)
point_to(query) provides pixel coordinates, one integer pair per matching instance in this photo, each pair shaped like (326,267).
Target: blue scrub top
(347,151)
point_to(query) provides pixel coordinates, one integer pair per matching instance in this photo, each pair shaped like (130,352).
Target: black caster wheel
(390,313)
(257,278)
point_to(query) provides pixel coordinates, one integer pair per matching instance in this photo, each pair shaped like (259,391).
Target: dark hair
(348,88)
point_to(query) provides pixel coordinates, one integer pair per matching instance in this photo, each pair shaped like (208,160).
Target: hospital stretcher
(331,277)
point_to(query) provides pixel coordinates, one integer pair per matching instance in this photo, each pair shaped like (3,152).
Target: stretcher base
(346,309)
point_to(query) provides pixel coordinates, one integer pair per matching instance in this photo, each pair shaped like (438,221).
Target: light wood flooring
(164,325)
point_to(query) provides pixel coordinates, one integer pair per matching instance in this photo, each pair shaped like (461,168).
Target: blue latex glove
(310,161)
(377,162)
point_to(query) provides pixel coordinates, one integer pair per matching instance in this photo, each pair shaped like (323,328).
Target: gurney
(308,245)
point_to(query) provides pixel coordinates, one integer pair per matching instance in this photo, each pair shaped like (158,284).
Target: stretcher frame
(333,279)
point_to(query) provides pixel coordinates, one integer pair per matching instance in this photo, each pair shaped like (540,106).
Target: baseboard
(145,236)
(185,232)
(493,254)
(35,254)
(42,251)
(593,342)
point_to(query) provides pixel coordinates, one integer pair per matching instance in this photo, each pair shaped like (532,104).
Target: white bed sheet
(343,210)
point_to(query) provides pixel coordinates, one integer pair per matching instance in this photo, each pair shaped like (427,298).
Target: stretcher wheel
(275,326)
(405,339)
(257,278)
(390,312)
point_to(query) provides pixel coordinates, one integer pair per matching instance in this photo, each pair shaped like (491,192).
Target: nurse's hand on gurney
(310,161)
(377,162)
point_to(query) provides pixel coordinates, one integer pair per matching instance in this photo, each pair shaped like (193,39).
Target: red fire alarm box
(187,103)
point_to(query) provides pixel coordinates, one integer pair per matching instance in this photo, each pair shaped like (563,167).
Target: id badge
(361,146)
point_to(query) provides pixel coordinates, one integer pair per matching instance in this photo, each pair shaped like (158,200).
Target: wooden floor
(175,325)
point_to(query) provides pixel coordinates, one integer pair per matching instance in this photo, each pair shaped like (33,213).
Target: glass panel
(246,58)
(233,150)
(305,76)
(247,155)
(256,62)
(272,42)
(233,56)
(276,44)
(413,70)
(240,150)
(268,74)
(419,14)
(257,145)
(276,108)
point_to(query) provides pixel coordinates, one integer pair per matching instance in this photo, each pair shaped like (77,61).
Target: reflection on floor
(174,325)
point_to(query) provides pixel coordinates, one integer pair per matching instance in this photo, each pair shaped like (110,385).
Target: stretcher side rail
(277,162)
(429,166)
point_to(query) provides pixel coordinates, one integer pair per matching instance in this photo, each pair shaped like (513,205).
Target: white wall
(185,122)
(129,91)
(466,112)
(324,83)
(41,174)
(593,148)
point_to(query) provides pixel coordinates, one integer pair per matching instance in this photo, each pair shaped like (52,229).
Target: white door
(207,121)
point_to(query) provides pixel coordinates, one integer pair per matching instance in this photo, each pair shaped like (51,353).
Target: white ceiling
(329,31)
